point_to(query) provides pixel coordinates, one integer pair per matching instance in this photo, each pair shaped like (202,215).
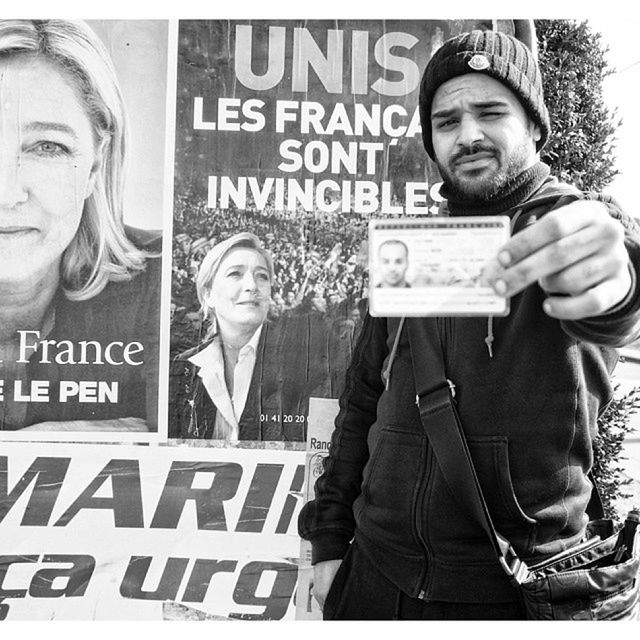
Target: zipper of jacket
(422,482)
(446,335)
(419,510)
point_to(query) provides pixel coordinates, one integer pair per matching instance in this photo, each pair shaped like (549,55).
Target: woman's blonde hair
(100,250)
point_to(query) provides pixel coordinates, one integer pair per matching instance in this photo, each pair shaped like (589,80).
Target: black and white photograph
(330,318)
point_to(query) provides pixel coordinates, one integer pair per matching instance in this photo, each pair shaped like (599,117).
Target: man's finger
(592,302)
(557,224)
(548,260)
(584,275)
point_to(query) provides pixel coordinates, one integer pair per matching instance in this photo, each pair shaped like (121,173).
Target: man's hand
(323,575)
(577,255)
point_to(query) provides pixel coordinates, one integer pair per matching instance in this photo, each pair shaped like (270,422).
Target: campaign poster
(294,133)
(85,130)
(126,532)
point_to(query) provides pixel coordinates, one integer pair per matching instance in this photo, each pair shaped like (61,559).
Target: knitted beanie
(500,56)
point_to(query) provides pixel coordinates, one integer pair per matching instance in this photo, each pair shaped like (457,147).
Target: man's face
(482,136)
(392,263)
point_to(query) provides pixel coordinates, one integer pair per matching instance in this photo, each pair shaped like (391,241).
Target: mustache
(469,151)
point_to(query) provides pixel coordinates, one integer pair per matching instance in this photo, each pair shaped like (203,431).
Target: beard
(488,184)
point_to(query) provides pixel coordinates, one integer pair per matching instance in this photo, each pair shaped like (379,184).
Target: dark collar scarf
(515,193)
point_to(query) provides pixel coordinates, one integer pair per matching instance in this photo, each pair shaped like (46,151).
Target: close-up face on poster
(251,270)
(82,227)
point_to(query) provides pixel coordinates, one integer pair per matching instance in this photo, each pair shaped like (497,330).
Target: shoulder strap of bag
(435,398)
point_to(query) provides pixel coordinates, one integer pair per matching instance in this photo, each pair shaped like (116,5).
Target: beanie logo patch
(479,62)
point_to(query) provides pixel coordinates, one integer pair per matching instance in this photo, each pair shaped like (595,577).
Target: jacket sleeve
(621,324)
(328,521)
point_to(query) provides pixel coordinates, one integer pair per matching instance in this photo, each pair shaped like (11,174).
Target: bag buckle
(515,568)
(449,383)
(452,388)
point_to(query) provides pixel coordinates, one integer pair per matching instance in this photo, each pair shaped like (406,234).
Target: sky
(622,90)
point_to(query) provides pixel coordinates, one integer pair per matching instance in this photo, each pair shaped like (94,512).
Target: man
(389,536)
(393,261)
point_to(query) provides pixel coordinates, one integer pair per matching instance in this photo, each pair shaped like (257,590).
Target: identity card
(435,266)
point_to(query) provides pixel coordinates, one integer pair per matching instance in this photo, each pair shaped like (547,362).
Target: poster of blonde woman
(81,255)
